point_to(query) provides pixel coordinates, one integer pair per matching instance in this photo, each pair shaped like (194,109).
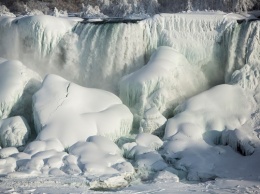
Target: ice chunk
(153,122)
(17,85)
(165,81)
(14,132)
(72,113)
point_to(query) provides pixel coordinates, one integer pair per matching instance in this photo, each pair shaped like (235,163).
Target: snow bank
(14,132)
(162,84)
(17,85)
(71,113)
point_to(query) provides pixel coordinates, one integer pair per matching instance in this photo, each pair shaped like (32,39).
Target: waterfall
(98,55)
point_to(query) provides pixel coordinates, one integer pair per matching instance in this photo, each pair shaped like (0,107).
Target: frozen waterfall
(98,55)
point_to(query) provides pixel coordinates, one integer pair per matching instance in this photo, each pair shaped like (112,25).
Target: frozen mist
(164,101)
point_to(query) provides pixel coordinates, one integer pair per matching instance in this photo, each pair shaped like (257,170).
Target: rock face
(71,113)
(14,132)
(165,81)
(17,85)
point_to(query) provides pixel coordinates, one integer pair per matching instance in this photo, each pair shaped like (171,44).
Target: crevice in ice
(62,100)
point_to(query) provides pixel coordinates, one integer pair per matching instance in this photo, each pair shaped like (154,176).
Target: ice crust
(72,113)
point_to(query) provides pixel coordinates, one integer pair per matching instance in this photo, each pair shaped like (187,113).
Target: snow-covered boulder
(101,162)
(71,113)
(216,109)
(152,122)
(149,140)
(6,152)
(200,138)
(14,132)
(17,85)
(163,83)
(39,146)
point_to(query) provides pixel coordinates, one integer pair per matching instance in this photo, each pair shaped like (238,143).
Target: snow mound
(71,113)
(98,159)
(14,132)
(200,138)
(216,109)
(17,85)
(39,146)
(149,140)
(160,83)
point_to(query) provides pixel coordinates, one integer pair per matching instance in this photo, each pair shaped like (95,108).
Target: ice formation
(159,84)
(17,84)
(209,133)
(73,50)
(206,128)
(14,131)
(72,113)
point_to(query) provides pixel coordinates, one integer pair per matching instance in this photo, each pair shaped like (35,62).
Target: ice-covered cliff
(99,55)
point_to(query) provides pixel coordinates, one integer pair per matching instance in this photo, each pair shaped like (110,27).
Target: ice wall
(99,55)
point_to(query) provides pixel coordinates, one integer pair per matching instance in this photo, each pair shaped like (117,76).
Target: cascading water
(98,55)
